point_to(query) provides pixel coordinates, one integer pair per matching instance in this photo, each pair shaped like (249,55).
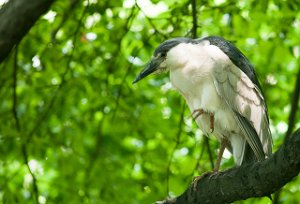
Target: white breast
(190,73)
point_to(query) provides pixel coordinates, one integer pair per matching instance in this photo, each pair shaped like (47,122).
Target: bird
(222,91)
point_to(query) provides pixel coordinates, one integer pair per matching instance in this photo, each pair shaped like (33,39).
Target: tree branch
(291,122)
(17,17)
(253,180)
(294,107)
(194,14)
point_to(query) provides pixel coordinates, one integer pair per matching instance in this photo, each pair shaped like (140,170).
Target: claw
(198,178)
(198,112)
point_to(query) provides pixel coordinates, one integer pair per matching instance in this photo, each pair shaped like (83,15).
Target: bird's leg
(224,142)
(221,151)
(216,167)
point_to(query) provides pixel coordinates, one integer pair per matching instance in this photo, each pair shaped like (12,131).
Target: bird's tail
(249,156)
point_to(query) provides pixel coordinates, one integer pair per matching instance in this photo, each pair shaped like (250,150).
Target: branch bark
(252,180)
(17,17)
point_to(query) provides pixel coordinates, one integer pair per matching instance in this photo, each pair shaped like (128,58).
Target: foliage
(73,129)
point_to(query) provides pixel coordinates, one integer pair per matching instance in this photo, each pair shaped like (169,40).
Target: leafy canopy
(73,129)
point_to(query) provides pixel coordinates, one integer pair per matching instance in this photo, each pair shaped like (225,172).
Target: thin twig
(151,23)
(15,79)
(34,180)
(195,35)
(291,123)
(194,14)
(64,19)
(63,79)
(294,107)
(18,126)
(126,27)
(93,156)
(197,166)
(177,143)
(206,140)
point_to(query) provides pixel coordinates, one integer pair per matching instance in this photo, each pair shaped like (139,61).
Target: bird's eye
(163,54)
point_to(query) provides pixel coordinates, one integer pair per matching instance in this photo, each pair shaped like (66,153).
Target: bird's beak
(151,67)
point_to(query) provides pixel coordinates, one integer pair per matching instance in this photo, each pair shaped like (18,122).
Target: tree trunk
(16,19)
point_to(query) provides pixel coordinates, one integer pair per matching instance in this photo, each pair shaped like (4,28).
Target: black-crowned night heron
(222,91)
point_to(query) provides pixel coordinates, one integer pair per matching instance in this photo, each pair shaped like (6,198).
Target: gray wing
(246,101)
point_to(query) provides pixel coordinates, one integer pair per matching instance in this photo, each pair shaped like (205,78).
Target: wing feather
(247,102)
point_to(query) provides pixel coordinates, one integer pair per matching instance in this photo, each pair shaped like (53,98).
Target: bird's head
(158,62)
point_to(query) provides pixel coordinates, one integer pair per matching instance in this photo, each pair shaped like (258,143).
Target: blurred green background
(73,128)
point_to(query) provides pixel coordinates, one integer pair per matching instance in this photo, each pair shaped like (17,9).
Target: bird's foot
(196,179)
(197,112)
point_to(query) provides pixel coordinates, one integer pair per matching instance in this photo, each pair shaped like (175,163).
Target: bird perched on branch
(222,91)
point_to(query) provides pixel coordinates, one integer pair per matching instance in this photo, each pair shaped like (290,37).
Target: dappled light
(73,127)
